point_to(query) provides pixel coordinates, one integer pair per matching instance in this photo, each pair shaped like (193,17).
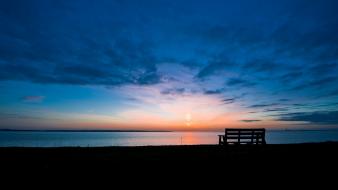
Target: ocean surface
(93,139)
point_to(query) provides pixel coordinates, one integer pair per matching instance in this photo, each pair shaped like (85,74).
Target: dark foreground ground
(315,159)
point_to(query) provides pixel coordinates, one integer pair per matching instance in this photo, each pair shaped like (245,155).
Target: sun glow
(188,119)
(181,111)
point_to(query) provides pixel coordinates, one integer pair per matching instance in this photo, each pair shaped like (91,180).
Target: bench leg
(221,140)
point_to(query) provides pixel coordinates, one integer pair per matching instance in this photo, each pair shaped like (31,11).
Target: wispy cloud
(32,99)
(263,105)
(322,82)
(228,100)
(173,91)
(276,110)
(318,117)
(215,66)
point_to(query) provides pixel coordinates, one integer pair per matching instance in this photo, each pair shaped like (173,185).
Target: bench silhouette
(242,136)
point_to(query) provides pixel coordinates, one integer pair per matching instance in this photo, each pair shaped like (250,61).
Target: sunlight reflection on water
(84,139)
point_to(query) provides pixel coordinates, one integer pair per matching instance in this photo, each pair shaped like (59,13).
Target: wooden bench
(242,136)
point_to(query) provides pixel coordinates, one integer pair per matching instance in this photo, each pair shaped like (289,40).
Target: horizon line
(131,130)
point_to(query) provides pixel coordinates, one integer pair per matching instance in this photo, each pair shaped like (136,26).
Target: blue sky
(153,64)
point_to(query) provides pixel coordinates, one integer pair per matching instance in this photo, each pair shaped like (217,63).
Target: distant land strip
(37,130)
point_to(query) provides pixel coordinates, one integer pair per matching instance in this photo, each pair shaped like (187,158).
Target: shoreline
(163,146)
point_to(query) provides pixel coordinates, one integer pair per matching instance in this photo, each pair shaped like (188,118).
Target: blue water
(92,139)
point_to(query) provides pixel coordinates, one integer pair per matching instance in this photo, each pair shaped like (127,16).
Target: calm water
(59,139)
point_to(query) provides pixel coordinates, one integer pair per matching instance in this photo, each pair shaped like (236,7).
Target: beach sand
(105,158)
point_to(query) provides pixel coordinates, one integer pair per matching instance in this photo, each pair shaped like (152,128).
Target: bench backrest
(245,136)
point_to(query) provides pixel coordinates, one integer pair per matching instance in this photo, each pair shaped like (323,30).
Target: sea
(101,139)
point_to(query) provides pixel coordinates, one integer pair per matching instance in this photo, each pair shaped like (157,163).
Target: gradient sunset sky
(168,64)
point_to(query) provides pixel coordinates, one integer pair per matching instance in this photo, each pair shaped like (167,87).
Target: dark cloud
(216,65)
(298,37)
(276,110)
(239,82)
(216,91)
(128,67)
(252,112)
(229,100)
(18,116)
(291,76)
(250,120)
(43,42)
(299,105)
(323,69)
(319,117)
(263,105)
(193,64)
(82,70)
(284,100)
(284,49)
(329,94)
(173,91)
(322,82)
(262,65)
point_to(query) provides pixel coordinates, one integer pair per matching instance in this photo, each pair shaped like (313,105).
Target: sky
(168,64)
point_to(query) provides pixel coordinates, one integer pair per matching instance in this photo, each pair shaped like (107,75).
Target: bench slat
(236,134)
(243,138)
(230,129)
